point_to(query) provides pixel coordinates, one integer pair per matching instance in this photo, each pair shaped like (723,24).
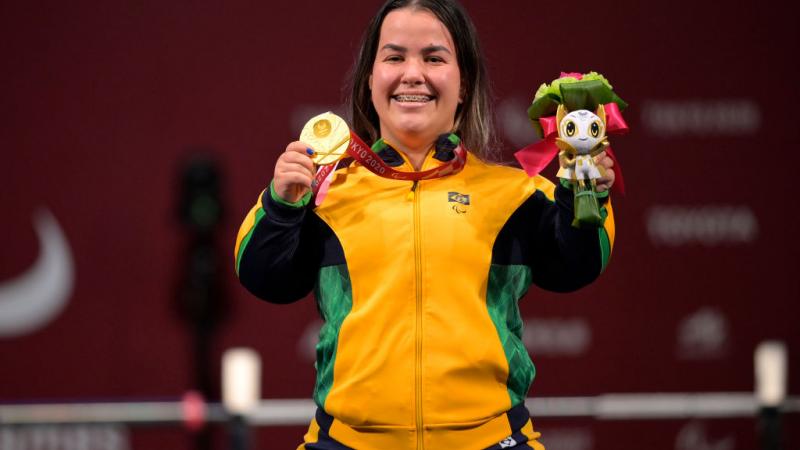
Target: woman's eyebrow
(394,47)
(428,49)
(436,48)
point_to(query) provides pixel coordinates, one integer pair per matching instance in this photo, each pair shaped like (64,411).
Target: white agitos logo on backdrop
(704,334)
(31,300)
(694,436)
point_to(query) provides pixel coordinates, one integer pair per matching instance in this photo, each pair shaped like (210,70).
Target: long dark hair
(473,121)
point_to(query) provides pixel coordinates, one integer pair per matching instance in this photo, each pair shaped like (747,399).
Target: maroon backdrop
(101,100)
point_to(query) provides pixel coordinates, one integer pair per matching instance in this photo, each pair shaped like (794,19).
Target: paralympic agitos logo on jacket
(459,202)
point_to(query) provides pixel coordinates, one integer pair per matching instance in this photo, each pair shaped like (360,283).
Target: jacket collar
(443,150)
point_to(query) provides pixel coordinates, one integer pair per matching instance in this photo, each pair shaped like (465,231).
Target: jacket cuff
(298,204)
(280,210)
(602,197)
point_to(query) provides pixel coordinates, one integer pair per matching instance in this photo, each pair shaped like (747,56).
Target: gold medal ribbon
(330,138)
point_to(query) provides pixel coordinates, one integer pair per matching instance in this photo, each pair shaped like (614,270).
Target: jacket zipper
(415,194)
(410,196)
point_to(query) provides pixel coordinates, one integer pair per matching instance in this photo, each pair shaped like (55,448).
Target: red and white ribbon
(361,152)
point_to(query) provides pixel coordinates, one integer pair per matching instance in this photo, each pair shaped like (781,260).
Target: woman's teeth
(412,98)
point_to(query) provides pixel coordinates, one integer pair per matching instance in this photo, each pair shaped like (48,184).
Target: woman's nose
(413,73)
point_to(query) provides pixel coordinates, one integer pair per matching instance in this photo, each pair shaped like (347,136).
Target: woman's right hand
(294,172)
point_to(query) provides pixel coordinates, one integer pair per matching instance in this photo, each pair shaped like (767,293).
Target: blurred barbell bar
(241,384)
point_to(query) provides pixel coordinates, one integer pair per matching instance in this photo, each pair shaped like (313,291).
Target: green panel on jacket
(507,284)
(334,287)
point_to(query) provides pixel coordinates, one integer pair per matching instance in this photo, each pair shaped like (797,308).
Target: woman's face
(415,81)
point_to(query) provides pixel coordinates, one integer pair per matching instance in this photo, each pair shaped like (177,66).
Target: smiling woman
(418,279)
(439,21)
(415,81)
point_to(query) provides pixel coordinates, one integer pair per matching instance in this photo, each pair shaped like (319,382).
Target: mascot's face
(582,129)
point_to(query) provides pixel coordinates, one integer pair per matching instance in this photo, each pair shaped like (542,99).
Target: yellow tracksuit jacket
(418,286)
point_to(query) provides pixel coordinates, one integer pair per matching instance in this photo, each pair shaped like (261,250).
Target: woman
(418,282)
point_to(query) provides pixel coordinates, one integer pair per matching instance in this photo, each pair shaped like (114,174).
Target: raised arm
(573,257)
(540,235)
(564,258)
(278,248)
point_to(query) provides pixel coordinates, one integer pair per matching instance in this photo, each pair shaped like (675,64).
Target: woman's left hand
(606,181)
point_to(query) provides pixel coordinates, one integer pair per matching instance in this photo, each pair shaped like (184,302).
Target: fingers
(605,182)
(602,159)
(298,153)
(285,178)
(294,172)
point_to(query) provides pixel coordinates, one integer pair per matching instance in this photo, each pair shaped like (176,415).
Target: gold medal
(328,135)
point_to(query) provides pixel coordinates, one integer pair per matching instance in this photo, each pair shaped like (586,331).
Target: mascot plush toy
(581,137)
(574,114)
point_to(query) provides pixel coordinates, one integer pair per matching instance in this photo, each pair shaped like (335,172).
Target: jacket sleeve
(540,234)
(564,258)
(277,250)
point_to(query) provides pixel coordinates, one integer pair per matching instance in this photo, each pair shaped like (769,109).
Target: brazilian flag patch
(455,197)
